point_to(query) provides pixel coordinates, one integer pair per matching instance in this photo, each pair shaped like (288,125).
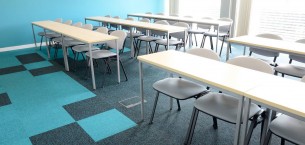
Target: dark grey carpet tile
(30,58)
(86,108)
(44,70)
(4,99)
(12,69)
(71,134)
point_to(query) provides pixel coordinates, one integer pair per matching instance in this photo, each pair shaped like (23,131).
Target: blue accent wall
(16,15)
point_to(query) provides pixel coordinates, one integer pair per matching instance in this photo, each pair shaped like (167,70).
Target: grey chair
(113,27)
(107,55)
(43,34)
(223,106)
(103,24)
(200,30)
(180,88)
(267,53)
(287,128)
(153,36)
(224,33)
(136,34)
(177,39)
(290,69)
(80,49)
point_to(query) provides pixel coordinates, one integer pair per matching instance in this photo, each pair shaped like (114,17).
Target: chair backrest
(59,20)
(203,52)
(78,24)
(298,58)
(102,30)
(303,79)
(180,35)
(159,33)
(108,16)
(252,63)
(115,25)
(159,13)
(205,26)
(127,27)
(148,13)
(87,26)
(225,28)
(268,53)
(145,20)
(68,22)
(121,35)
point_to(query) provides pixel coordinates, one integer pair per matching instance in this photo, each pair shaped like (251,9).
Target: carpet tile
(71,134)
(106,124)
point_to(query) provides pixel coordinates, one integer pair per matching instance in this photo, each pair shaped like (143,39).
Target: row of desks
(80,34)
(284,95)
(167,29)
(215,23)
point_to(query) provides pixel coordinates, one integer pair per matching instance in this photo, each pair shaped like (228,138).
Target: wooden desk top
(229,77)
(80,34)
(278,45)
(281,93)
(181,19)
(151,26)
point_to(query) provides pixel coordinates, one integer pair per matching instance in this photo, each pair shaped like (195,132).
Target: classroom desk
(279,94)
(268,44)
(136,24)
(80,34)
(219,75)
(216,23)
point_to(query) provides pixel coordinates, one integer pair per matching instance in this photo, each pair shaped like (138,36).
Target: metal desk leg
(141,90)
(244,50)
(64,51)
(244,128)
(48,49)
(239,119)
(185,35)
(34,36)
(266,124)
(132,51)
(85,21)
(118,61)
(228,51)
(217,38)
(92,67)
(167,34)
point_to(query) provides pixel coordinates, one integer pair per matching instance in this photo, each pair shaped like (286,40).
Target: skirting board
(20,47)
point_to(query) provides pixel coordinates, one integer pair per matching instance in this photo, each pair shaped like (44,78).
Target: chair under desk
(281,46)
(216,23)
(240,81)
(167,29)
(83,35)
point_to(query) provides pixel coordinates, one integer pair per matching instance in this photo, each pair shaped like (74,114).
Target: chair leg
(251,128)
(250,53)
(156,48)
(150,48)
(190,132)
(283,74)
(223,40)
(282,141)
(154,108)
(215,126)
(126,79)
(267,137)
(203,41)
(195,39)
(211,42)
(178,103)
(41,42)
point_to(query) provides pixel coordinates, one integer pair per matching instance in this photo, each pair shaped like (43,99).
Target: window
(200,8)
(282,17)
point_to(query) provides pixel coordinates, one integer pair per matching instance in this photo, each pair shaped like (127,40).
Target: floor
(41,104)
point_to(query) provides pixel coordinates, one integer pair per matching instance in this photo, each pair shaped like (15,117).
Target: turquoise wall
(16,15)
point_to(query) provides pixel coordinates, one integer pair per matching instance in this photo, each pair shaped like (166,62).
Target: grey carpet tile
(45,70)
(12,69)
(86,108)
(4,99)
(30,58)
(71,134)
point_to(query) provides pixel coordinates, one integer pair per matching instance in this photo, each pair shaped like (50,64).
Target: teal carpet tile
(106,124)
